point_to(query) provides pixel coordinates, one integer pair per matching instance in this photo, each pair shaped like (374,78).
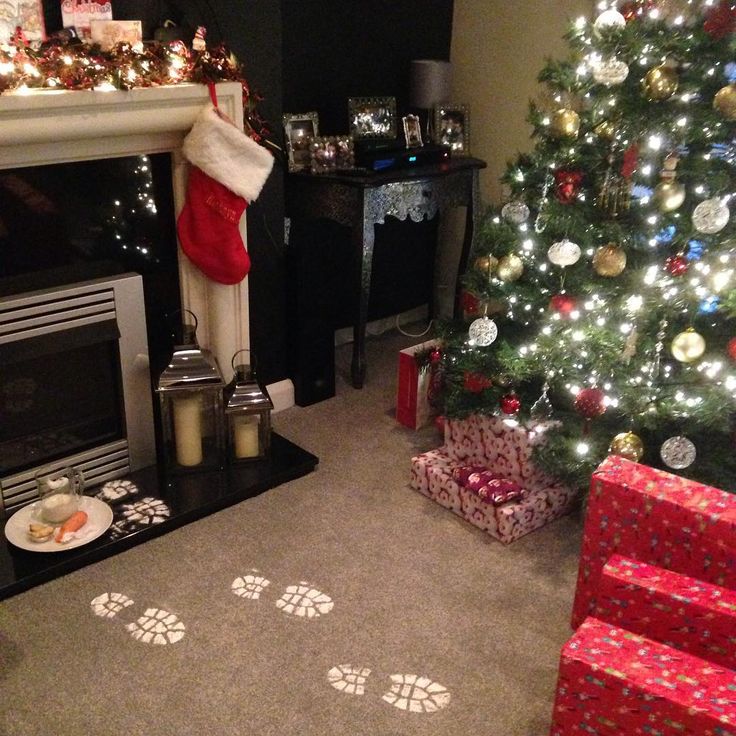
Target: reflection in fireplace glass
(39,423)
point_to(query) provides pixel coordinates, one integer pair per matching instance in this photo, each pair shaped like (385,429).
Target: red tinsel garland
(721,21)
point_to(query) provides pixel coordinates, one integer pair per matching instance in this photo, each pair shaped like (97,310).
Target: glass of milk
(60,493)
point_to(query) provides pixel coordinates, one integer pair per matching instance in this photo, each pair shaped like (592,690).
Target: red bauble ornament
(476,382)
(435,356)
(469,302)
(589,403)
(633,10)
(677,265)
(567,185)
(510,404)
(721,21)
(563,304)
(731,348)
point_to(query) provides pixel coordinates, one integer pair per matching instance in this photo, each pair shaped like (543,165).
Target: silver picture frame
(452,128)
(299,131)
(412,131)
(333,153)
(372,117)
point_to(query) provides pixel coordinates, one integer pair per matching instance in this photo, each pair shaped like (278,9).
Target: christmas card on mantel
(26,14)
(604,287)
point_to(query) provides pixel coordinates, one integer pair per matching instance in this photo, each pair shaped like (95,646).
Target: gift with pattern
(677,610)
(655,517)
(614,682)
(511,498)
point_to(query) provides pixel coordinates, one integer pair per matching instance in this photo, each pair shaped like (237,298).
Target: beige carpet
(408,589)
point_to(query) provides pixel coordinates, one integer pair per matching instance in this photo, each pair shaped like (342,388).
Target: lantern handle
(174,328)
(232,362)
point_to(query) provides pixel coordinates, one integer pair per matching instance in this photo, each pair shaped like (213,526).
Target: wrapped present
(489,444)
(670,608)
(413,409)
(655,517)
(613,682)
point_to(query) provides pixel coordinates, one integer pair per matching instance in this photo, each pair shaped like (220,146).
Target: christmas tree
(599,301)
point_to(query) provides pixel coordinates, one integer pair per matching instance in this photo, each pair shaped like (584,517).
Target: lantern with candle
(248,415)
(191,393)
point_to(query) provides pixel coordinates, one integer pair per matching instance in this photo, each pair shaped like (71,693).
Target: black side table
(362,201)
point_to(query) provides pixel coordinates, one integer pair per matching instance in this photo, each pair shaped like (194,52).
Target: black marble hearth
(187,499)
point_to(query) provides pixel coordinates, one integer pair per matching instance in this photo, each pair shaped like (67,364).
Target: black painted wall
(300,55)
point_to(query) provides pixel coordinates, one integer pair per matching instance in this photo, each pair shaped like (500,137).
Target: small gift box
(614,682)
(655,517)
(670,608)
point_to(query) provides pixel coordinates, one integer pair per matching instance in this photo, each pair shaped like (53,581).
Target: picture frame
(372,117)
(332,153)
(412,131)
(300,129)
(452,128)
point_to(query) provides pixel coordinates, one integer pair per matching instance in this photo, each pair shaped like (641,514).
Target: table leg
(471,225)
(363,237)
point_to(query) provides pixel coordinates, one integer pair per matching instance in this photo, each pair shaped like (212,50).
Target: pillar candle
(245,434)
(188,430)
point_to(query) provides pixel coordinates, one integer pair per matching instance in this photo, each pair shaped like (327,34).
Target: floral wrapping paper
(655,517)
(508,449)
(614,682)
(688,614)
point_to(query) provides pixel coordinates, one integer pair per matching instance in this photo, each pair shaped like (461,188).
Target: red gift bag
(412,405)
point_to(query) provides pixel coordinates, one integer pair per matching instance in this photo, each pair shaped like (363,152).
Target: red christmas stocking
(229,171)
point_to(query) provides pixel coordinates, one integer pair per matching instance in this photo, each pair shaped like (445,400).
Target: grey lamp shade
(429,82)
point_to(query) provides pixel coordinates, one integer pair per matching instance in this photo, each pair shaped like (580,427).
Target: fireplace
(51,129)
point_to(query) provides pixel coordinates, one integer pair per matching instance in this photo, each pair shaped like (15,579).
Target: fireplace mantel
(50,127)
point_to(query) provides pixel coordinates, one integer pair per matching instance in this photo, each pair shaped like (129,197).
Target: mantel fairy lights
(642,317)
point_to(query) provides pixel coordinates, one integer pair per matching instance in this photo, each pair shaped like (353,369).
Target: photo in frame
(300,129)
(372,117)
(332,153)
(412,131)
(452,128)
(28,14)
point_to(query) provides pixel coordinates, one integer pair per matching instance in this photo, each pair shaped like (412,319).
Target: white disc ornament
(564,253)
(515,212)
(483,332)
(711,216)
(610,72)
(609,19)
(678,453)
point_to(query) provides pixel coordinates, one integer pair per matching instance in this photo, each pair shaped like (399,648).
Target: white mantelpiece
(50,127)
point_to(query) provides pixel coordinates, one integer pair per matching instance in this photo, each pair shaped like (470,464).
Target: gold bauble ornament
(660,83)
(510,268)
(725,101)
(627,445)
(669,195)
(688,346)
(486,264)
(605,130)
(565,123)
(609,260)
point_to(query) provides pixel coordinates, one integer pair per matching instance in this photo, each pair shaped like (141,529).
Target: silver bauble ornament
(678,453)
(610,72)
(483,332)
(711,216)
(688,346)
(564,253)
(609,19)
(515,212)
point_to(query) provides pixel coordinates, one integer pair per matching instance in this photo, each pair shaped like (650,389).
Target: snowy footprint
(155,626)
(412,693)
(302,600)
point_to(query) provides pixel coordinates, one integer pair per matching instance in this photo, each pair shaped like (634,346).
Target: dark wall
(300,55)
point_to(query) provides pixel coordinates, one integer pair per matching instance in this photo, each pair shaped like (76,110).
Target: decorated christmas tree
(599,301)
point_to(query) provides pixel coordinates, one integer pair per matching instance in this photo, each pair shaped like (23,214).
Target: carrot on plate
(75,522)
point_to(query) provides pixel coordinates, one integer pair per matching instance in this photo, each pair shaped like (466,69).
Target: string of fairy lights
(613,266)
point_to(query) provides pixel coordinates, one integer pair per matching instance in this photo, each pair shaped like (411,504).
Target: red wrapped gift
(613,682)
(412,404)
(673,609)
(655,517)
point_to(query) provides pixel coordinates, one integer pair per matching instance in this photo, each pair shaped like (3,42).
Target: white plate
(100,518)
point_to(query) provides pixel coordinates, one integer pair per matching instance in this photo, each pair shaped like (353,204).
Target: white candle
(246,437)
(188,430)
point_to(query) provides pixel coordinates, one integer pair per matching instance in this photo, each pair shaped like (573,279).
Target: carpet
(342,602)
